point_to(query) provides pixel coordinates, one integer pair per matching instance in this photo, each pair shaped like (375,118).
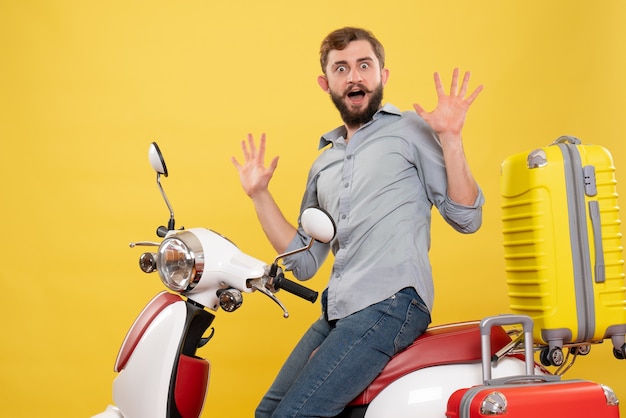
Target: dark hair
(340,38)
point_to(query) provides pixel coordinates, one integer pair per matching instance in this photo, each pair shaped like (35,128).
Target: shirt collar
(338,135)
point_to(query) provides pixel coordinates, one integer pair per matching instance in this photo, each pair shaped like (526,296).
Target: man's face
(355,82)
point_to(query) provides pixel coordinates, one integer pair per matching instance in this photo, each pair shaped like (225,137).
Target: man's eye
(341,69)
(364,66)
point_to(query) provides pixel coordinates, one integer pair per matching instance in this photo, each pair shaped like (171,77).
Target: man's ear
(323,82)
(384,76)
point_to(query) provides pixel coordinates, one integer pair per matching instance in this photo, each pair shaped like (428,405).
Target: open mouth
(356,95)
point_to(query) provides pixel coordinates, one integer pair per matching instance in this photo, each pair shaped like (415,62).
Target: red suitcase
(531,395)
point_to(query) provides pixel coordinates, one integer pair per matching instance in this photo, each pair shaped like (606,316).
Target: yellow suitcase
(562,245)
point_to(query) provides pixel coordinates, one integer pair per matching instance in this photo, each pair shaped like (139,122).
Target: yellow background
(86,85)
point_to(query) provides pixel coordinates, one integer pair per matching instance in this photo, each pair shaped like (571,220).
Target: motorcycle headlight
(180,261)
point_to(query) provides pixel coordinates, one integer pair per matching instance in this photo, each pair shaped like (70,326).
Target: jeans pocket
(416,322)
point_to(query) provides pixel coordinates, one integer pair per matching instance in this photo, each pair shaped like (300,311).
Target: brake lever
(258,284)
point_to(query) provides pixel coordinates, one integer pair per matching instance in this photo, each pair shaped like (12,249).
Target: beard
(358,117)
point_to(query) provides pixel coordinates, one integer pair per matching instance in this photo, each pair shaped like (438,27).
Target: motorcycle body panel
(425,392)
(141,324)
(142,388)
(158,372)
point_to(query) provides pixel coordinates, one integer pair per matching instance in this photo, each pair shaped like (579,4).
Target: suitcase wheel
(620,353)
(581,350)
(551,356)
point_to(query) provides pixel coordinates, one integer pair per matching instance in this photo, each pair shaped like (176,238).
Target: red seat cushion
(445,344)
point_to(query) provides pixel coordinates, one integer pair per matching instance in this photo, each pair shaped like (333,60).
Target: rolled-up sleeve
(463,218)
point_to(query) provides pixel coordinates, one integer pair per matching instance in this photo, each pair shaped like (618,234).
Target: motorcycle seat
(444,344)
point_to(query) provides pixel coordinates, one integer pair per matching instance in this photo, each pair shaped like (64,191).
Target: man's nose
(355,76)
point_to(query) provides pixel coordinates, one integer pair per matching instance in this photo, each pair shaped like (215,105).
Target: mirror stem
(171,222)
(299,250)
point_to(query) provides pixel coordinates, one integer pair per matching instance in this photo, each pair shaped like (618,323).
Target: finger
(464,84)
(244,148)
(438,85)
(419,109)
(251,145)
(474,95)
(235,163)
(274,164)
(262,147)
(455,82)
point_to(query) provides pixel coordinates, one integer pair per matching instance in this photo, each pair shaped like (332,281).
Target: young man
(379,179)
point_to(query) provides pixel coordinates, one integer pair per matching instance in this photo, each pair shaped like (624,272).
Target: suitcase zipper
(579,240)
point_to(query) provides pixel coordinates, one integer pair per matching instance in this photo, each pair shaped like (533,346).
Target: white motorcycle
(160,375)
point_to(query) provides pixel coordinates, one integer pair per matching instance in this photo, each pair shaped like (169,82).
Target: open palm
(449,115)
(253,173)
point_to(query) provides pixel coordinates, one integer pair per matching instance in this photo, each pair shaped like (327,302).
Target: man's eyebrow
(343,62)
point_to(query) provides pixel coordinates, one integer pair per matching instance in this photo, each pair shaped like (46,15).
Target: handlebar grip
(296,288)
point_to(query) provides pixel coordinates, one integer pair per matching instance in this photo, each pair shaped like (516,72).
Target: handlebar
(280,282)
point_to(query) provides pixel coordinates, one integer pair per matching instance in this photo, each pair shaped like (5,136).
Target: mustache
(358,87)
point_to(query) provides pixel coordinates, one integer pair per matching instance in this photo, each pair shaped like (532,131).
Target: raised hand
(253,174)
(449,115)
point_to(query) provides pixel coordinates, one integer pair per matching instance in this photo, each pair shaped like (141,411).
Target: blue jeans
(336,360)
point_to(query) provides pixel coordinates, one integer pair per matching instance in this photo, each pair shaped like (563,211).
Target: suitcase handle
(596,226)
(535,378)
(567,139)
(507,319)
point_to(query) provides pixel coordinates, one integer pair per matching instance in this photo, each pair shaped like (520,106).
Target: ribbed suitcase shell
(562,242)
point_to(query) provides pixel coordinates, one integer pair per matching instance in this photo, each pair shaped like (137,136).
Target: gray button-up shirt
(379,189)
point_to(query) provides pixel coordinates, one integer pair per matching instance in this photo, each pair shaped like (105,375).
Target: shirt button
(343,216)
(349,157)
(346,185)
